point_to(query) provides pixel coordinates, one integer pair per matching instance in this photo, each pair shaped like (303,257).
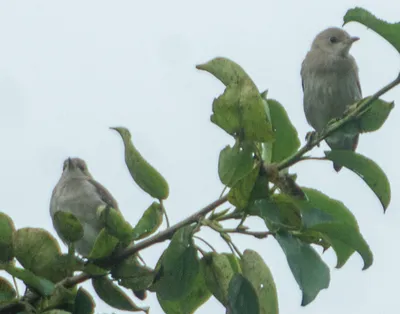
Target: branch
(257,234)
(291,160)
(160,237)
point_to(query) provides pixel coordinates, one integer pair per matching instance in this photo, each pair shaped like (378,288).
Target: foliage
(255,169)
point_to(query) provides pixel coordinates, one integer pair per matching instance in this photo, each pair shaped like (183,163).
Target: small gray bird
(331,84)
(77,192)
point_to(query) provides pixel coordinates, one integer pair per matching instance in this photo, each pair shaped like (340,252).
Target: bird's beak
(69,162)
(353,39)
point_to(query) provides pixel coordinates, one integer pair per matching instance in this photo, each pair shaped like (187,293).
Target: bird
(78,193)
(331,84)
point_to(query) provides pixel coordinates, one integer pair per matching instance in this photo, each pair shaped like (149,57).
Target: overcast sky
(69,71)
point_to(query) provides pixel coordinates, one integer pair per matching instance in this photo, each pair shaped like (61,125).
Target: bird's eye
(82,167)
(333,39)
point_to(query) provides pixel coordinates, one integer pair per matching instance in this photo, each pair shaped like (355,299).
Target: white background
(70,71)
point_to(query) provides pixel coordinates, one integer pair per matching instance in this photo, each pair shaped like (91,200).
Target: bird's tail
(342,141)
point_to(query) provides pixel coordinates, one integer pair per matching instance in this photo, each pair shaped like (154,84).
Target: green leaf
(387,30)
(338,225)
(240,193)
(286,138)
(41,285)
(234,261)
(218,272)
(240,109)
(242,297)
(7,292)
(227,71)
(235,163)
(375,116)
(278,212)
(180,266)
(7,231)
(114,296)
(367,170)
(266,148)
(104,245)
(84,303)
(149,223)
(115,224)
(68,226)
(61,297)
(259,275)
(37,250)
(131,274)
(198,295)
(145,176)
(310,272)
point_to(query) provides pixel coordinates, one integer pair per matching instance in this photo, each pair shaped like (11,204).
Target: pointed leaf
(104,245)
(147,177)
(7,292)
(149,223)
(242,297)
(235,163)
(7,231)
(310,272)
(180,266)
(375,116)
(286,138)
(387,30)
(84,303)
(114,296)
(227,71)
(336,222)
(240,110)
(367,170)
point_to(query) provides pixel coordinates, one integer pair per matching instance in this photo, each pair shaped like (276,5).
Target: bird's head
(334,41)
(75,167)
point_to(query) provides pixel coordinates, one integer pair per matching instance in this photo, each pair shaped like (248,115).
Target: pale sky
(70,70)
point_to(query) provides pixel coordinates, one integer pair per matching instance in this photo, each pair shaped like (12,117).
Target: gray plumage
(77,192)
(330,83)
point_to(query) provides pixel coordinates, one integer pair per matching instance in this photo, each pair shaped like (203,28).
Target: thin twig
(165,213)
(198,248)
(206,243)
(257,234)
(234,215)
(313,158)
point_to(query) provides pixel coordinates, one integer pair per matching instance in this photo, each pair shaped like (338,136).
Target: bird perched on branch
(331,84)
(78,193)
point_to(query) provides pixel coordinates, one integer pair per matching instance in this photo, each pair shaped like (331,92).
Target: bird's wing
(105,196)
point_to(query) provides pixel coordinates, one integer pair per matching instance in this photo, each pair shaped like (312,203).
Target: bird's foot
(310,137)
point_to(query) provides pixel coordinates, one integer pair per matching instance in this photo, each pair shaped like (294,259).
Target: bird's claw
(310,136)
